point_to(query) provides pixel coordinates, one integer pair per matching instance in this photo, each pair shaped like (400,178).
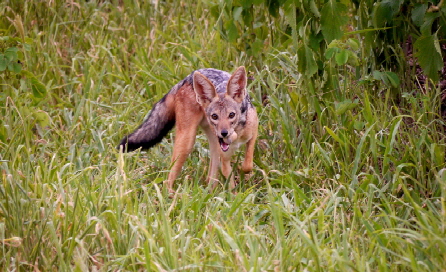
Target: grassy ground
(359,187)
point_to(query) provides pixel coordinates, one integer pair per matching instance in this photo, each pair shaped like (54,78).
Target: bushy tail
(160,121)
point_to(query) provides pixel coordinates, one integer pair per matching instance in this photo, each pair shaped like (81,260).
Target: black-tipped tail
(160,121)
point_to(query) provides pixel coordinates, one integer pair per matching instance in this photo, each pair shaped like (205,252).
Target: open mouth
(224,146)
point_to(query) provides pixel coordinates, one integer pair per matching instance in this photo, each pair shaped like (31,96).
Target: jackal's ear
(204,89)
(237,85)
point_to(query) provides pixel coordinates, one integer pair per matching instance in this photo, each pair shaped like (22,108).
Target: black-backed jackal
(217,102)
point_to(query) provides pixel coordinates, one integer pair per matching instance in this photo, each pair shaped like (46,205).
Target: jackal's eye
(214,116)
(231,115)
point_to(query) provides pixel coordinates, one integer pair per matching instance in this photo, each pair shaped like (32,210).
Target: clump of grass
(359,187)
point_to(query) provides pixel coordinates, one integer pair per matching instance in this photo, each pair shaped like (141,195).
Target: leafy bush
(9,55)
(11,59)
(381,30)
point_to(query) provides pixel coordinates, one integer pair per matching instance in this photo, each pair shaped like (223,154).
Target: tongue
(224,146)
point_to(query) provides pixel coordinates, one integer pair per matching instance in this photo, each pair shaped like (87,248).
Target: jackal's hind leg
(249,156)
(187,119)
(184,142)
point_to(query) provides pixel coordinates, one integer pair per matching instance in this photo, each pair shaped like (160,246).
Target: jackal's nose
(224,133)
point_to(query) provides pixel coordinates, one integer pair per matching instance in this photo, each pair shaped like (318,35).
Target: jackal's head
(222,109)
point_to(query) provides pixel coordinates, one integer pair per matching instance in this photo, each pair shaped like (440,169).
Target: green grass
(333,189)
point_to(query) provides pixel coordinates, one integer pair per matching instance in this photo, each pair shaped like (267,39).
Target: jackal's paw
(170,190)
(212,183)
(247,167)
(171,193)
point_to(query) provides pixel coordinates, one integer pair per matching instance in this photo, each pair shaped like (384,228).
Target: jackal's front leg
(226,168)
(250,145)
(214,149)
(249,156)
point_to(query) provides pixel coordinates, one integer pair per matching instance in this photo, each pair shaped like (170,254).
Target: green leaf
(387,77)
(429,55)
(314,41)
(215,11)
(393,78)
(11,56)
(248,16)
(382,13)
(11,67)
(3,63)
(352,58)
(334,135)
(257,46)
(232,31)
(236,12)
(246,3)
(377,75)
(39,89)
(358,125)
(344,106)
(353,43)
(385,11)
(330,52)
(306,63)
(42,118)
(27,47)
(20,56)
(429,19)
(12,49)
(15,67)
(381,76)
(332,19)
(418,13)
(314,9)
(342,57)
(290,17)
(27,73)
